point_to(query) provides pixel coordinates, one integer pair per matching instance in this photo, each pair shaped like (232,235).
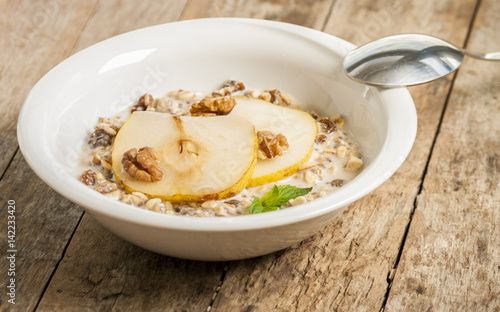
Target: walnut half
(213,107)
(270,144)
(141,164)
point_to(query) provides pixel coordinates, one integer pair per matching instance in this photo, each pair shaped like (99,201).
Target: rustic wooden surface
(426,240)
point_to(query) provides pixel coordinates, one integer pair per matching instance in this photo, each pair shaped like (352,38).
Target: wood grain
(45,222)
(451,254)
(349,266)
(310,13)
(114,17)
(366,21)
(82,281)
(452,257)
(130,285)
(101,272)
(37,37)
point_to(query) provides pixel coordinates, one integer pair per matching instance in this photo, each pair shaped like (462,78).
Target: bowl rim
(399,100)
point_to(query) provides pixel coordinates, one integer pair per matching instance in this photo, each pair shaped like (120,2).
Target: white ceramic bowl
(103,79)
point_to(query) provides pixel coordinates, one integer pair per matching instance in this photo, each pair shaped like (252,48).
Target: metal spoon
(406,60)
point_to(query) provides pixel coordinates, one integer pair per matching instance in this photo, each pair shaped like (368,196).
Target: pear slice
(201,158)
(297,126)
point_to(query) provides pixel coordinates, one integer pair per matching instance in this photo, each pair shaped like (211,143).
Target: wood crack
(9,163)
(392,273)
(58,263)
(219,285)
(330,10)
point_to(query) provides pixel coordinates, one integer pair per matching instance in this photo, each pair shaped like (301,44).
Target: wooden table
(426,240)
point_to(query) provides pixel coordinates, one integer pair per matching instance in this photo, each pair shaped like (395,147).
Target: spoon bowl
(406,60)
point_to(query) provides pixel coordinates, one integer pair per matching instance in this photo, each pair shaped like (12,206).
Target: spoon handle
(493,56)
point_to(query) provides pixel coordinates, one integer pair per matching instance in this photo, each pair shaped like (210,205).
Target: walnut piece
(270,144)
(88,177)
(104,132)
(275,96)
(106,187)
(141,164)
(143,103)
(328,125)
(213,107)
(103,185)
(228,88)
(100,138)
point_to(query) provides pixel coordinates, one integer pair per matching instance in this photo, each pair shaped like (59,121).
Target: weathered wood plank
(131,285)
(349,265)
(44,223)
(35,37)
(364,21)
(89,277)
(451,260)
(101,272)
(311,13)
(41,35)
(115,17)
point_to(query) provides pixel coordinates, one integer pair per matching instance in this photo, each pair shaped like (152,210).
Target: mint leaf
(256,206)
(280,194)
(276,197)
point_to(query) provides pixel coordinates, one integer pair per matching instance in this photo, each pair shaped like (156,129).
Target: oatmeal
(333,160)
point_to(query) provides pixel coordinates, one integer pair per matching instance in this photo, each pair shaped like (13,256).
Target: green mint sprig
(277,197)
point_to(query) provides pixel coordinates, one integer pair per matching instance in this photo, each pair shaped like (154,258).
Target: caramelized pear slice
(297,126)
(201,158)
